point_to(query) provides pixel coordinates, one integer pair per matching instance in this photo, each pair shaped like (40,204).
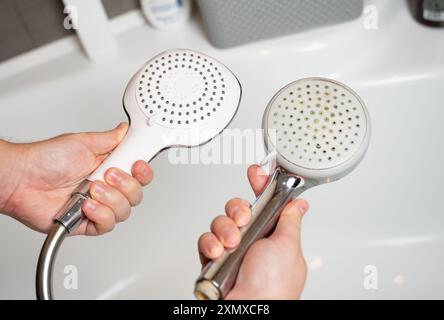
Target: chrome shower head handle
(321,131)
(218,276)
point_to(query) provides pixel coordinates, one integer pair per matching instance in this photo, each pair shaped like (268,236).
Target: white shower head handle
(134,145)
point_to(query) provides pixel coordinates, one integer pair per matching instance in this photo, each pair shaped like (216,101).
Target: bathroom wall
(116,7)
(28,24)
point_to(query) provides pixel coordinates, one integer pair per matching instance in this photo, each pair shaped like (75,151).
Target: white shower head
(319,128)
(179,98)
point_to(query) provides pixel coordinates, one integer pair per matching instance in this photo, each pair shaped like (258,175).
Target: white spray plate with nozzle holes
(180,98)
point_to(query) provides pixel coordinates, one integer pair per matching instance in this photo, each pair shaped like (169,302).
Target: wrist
(11,167)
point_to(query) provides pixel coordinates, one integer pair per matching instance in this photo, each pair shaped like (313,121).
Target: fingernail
(144,170)
(120,125)
(114,176)
(302,209)
(214,250)
(260,171)
(239,215)
(226,236)
(90,205)
(99,189)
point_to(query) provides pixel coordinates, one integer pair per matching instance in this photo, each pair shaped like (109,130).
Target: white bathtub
(387,216)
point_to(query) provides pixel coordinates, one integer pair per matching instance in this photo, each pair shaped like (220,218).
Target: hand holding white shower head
(319,130)
(180,98)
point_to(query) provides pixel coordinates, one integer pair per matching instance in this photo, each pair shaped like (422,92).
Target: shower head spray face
(318,128)
(179,98)
(319,131)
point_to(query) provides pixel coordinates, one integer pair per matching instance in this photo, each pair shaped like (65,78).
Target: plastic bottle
(165,14)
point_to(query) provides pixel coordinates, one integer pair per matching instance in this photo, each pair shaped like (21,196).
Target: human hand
(42,175)
(274,267)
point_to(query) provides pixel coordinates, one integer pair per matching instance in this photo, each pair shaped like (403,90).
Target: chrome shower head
(319,130)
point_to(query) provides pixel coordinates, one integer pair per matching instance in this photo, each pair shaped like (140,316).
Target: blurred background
(376,234)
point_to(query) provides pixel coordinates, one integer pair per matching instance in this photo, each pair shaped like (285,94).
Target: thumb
(104,142)
(258,178)
(288,227)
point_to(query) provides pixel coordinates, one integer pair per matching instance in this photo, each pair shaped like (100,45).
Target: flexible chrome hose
(46,261)
(66,221)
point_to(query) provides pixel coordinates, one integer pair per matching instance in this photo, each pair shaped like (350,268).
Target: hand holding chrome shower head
(319,130)
(180,98)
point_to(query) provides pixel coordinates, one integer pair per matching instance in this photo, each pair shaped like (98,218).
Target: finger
(111,198)
(209,247)
(142,172)
(258,178)
(102,217)
(288,227)
(239,210)
(105,142)
(128,186)
(226,231)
